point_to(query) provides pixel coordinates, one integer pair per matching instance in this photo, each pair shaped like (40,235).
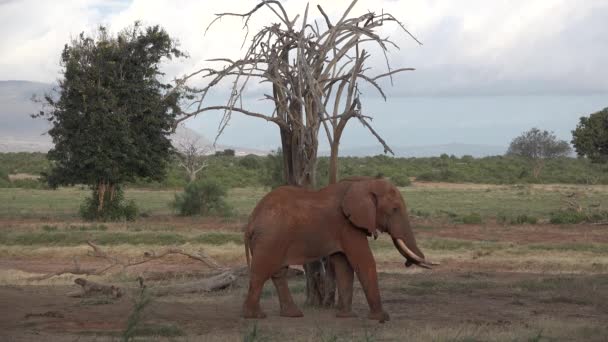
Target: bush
(251,162)
(204,197)
(472,218)
(524,219)
(401,180)
(113,210)
(567,217)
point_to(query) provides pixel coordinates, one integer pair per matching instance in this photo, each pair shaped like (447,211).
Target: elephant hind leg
(288,307)
(344,279)
(251,307)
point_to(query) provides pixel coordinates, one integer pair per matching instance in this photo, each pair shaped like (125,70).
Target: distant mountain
(19,132)
(456,149)
(184,136)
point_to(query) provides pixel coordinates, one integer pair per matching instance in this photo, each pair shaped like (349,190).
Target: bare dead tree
(314,70)
(192,155)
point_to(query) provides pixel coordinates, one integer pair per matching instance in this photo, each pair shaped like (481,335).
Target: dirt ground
(465,299)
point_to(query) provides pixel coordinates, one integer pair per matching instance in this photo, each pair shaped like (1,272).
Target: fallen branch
(213,283)
(97,252)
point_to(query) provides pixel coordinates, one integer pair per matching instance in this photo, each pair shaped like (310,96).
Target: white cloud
(470,46)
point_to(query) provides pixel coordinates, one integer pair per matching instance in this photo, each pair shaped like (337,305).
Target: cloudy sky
(488,69)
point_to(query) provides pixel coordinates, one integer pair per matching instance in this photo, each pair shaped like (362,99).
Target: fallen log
(213,283)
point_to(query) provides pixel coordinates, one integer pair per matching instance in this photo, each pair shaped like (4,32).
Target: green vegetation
(590,138)
(204,197)
(75,238)
(103,134)
(115,207)
(142,300)
(472,218)
(505,204)
(257,171)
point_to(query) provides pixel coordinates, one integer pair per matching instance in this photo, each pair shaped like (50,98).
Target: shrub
(567,217)
(524,219)
(401,180)
(251,162)
(205,197)
(472,218)
(113,210)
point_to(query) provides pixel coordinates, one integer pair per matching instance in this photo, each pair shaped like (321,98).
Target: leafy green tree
(113,113)
(590,138)
(274,176)
(537,146)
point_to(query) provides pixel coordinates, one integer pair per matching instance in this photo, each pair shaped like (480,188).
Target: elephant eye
(395,209)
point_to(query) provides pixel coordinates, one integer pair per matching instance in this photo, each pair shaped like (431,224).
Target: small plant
(567,217)
(143,299)
(401,180)
(205,197)
(48,228)
(524,219)
(472,218)
(253,335)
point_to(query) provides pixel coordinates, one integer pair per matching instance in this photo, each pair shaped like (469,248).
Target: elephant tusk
(420,262)
(408,252)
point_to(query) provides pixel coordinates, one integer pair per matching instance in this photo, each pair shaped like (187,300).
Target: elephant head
(377,205)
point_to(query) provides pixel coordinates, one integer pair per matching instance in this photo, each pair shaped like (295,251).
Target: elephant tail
(246,241)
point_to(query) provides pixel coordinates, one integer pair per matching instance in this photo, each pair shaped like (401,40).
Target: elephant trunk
(405,242)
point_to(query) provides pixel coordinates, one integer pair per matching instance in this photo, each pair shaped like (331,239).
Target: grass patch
(428,287)
(517,220)
(96,301)
(571,247)
(472,218)
(74,238)
(162,330)
(545,284)
(216,238)
(566,300)
(455,244)
(511,202)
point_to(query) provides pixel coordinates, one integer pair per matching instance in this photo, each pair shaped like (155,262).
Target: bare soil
(464,299)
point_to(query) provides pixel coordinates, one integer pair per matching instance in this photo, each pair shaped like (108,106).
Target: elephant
(293,226)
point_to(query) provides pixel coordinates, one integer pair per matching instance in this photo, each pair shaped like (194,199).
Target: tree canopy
(112,113)
(537,144)
(590,138)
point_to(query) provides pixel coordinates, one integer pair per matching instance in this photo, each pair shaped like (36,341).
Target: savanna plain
(508,271)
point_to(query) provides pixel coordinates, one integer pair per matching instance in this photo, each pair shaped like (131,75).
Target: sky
(487,69)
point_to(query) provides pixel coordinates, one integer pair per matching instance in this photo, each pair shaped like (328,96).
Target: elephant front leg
(344,280)
(362,260)
(288,307)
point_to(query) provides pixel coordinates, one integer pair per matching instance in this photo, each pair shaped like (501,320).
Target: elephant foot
(345,314)
(257,313)
(380,316)
(291,312)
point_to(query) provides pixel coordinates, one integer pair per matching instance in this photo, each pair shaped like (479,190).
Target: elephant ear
(359,205)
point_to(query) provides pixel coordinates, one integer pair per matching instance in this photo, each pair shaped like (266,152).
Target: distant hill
(456,149)
(19,132)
